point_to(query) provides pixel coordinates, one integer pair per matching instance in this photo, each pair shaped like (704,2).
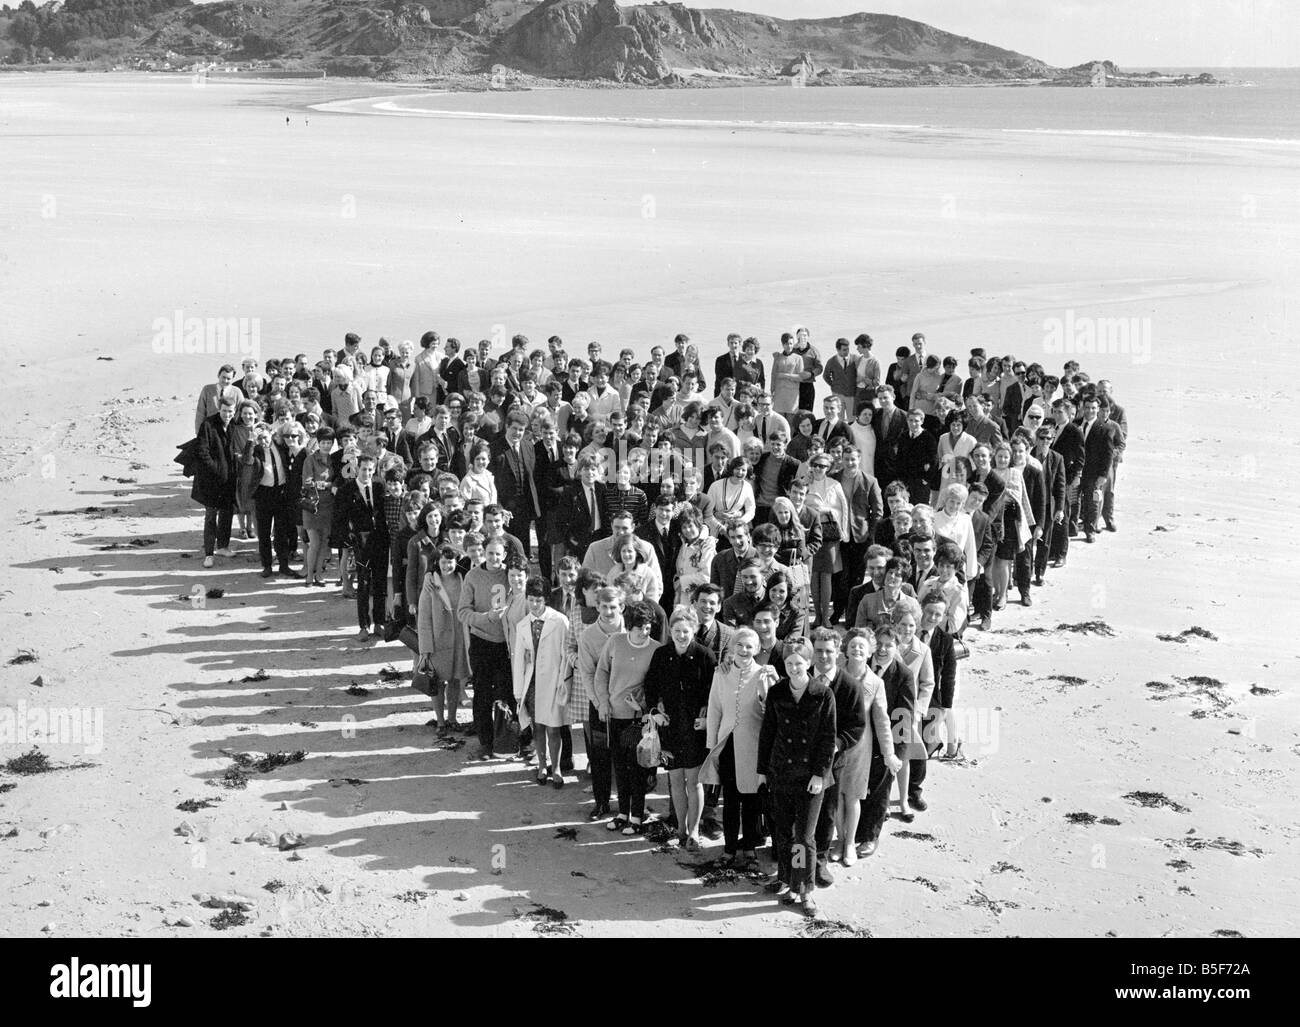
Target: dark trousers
(1108,493)
(1044,546)
(1023,567)
(854,555)
(875,807)
(794,836)
(628,774)
(566,749)
(826,823)
(372,586)
(1072,498)
(981,597)
(740,810)
(599,761)
(274,523)
(216,528)
(1088,495)
(544,563)
(491,666)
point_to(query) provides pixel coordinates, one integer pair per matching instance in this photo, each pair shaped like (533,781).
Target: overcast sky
(1132,33)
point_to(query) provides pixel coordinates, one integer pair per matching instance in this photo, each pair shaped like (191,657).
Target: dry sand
(127,199)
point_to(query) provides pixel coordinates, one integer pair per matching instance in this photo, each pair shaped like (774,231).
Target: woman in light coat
(826,498)
(734,720)
(956,442)
(541,665)
(952,522)
(695,558)
(442,642)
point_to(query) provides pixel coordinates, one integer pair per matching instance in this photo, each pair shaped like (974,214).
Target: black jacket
(797,739)
(850,712)
(681,683)
(214,467)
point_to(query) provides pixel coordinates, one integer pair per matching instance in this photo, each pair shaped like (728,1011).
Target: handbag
(830,529)
(649,753)
(426,678)
(799,575)
(409,638)
(505,730)
(309,501)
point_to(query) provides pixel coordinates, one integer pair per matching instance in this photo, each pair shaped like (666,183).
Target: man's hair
(826,635)
(708,588)
(766,533)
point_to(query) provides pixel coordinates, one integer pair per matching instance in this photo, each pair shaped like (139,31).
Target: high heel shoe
(953,753)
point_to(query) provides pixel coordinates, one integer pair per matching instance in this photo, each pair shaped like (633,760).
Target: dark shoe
(808,907)
(289,572)
(1025,600)
(867,849)
(1058,563)
(789,898)
(711,829)
(599,813)
(777,887)
(917,803)
(543,778)
(557,781)
(267,572)
(1110,526)
(986,623)
(823,876)
(907,818)
(1038,583)
(392,629)
(1089,538)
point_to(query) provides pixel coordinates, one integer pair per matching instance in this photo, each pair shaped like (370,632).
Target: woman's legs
(677,788)
(694,803)
(849,811)
(904,776)
(821,584)
(1001,579)
(311,564)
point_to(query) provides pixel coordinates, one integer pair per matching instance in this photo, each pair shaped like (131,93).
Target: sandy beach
(1146,791)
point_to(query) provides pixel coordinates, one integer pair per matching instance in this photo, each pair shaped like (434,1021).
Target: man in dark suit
(918,451)
(727,563)
(448,442)
(1054,482)
(664,539)
(1099,441)
(1118,419)
(514,465)
(1069,444)
(850,723)
(727,365)
(877,557)
(862,492)
(272,504)
(832,426)
(367,531)
(1013,397)
(983,473)
(555,470)
(890,425)
(215,475)
(1036,501)
(584,519)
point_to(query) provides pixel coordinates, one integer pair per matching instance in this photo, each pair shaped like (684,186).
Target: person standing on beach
(214,478)
(1099,445)
(812,368)
(211,396)
(482,601)
(787,372)
(363,515)
(272,503)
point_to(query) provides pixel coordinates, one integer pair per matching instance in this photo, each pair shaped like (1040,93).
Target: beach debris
(355,689)
(235,777)
(39,681)
(1206,690)
(120,481)
(11,833)
(414,895)
(227,919)
(1193,632)
(23,656)
(1067,681)
(264,764)
(8,786)
(135,543)
(103,358)
(1179,865)
(31,762)
(55,832)
(1003,867)
(1199,844)
(257,675)
(1109,821)
(1088,627)
(714,872)
(1081,818)
(273,885)
(568,834)
(1226,932)
(546,919)
(291,840)
(214,593)
(262,836)
(391,673)
(919,836)
(184,921)
(1156,800)
(229,900)
(659,833)
(577,873)
(924,882)
(194,805)
(339,782)
(833,929)
(1254,690)
(994,906)
(198,832)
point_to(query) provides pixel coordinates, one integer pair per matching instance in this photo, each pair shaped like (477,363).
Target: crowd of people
(697,572)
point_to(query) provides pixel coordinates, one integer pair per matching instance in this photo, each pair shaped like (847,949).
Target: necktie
(275,467)
(365,494)
(762,428)
(537,632)
(595,512)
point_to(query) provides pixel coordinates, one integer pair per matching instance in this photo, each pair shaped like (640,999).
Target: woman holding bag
(541,670)
(735,716)
(442,654)
(678,683)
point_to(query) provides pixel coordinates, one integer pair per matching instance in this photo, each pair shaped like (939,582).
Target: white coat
(736,709)
(550,664)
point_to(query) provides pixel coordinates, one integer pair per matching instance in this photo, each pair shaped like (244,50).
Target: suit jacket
(889,431)
(364,521)
(865,504)
(1069,444)
(1120,418)
(1013,402)
(1035,495)
(785,477)
(725,367)
(839,430)
(842,376)
(1053,483)
(996,486)
(258,463)
(988,533)
(850,713)
(1099,448)
(555,506)
(916,461)
(666,548)
(451,456)
(944,659)
(725,567)
(577,519)
(516,487)
(214,465)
